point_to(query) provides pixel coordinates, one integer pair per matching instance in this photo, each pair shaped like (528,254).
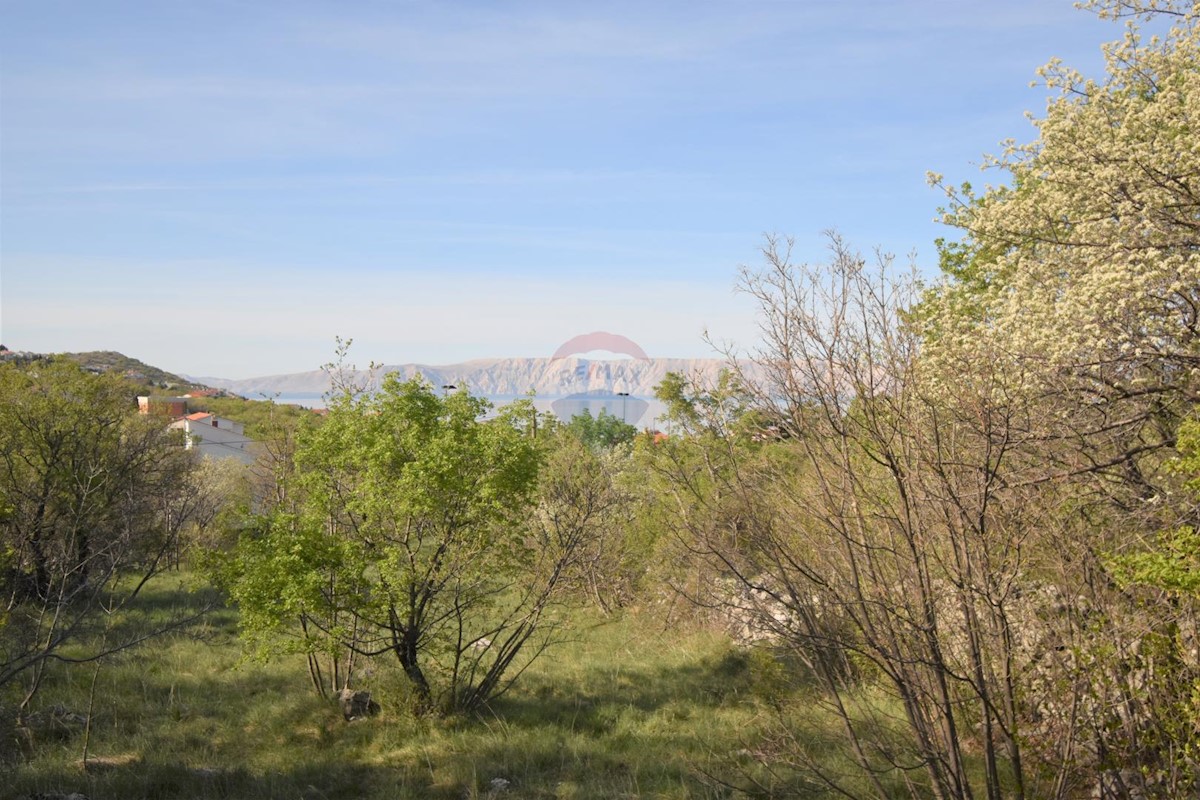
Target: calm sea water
(615,406)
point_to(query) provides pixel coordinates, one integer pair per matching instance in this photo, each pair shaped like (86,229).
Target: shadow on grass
(609,736)
(684,727)
(152,780)
(544,699)
(624,730)
(637,718)
(177,603)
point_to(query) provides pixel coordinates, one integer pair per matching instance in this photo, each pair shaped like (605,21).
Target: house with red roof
(215,436)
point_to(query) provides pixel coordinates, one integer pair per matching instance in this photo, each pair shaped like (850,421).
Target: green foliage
(282,572)
(725,409)
(699,492)
(1187,444)
(601,432)
(403,531)
(131,369)
(631,709)
(91,491)
(1173,565)
(586,506)
(263,418)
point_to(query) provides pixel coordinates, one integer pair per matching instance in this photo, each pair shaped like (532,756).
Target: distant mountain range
(497,377)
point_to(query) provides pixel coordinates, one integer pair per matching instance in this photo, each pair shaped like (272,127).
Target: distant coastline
(568,385)
(649,418)
(303,399)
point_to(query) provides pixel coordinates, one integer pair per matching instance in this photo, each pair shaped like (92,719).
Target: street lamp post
(623,396)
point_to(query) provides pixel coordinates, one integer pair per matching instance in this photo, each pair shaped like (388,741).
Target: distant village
(208,434)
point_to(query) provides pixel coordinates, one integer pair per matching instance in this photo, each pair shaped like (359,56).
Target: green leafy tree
(94,497)
(407,533)
(1172,562)
(601,432)
(723,408)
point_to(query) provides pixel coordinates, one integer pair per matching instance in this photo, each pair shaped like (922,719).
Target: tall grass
(629,708)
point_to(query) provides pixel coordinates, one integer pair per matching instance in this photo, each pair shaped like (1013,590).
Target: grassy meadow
(628,707)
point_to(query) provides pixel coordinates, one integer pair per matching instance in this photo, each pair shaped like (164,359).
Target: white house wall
(217,442)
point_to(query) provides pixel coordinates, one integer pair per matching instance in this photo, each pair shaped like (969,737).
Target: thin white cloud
(574,166)
(498,177)
(232,319)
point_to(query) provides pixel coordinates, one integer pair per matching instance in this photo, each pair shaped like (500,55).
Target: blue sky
(221,188)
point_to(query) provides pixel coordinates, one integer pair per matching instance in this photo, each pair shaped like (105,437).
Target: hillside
(132,368)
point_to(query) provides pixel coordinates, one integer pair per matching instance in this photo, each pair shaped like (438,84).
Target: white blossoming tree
(1089,259)
(1078,284)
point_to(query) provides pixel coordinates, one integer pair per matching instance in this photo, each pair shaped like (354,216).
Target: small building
(166,406)
(215,436)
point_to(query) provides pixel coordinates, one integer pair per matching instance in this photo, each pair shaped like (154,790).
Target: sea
(645,413)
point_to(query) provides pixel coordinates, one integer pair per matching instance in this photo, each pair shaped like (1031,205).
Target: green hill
(133,369)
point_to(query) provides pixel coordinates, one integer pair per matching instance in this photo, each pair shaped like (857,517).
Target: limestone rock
(357,705)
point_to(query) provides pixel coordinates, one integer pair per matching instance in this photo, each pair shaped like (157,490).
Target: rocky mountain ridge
(498,377)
